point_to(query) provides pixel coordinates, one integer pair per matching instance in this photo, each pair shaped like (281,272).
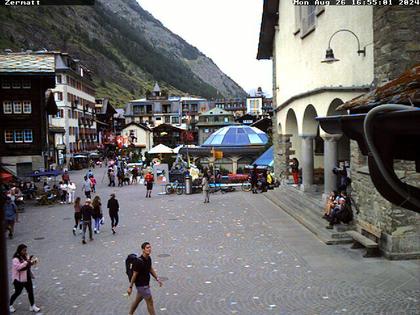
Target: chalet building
(154,110)
(259,105)
(267,106)
(237,106)
(119,120)
(75,98)
(25,106)
(158,108)
(191,108)
(212,120)
(105,121)
(139,136)
(172,136)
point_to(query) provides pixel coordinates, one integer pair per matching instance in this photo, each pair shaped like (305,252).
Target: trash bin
(188,185)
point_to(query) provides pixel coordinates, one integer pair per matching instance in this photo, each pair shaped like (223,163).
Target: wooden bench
(360,241)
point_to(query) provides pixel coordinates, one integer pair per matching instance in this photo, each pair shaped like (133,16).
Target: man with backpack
(138,270)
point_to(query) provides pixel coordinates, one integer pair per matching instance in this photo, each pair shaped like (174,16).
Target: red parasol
(5,177)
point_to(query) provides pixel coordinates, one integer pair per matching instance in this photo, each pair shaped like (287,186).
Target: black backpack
(129,264)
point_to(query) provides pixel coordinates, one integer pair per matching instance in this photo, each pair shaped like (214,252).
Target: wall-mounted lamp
(329,55)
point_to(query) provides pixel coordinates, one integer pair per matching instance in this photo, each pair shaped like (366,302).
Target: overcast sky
(227,31)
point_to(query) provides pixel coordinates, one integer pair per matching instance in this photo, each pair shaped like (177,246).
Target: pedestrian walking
(149,179)
(120,176)
(87,212)
(135,173)
(114,208)
(22,277)
(111,177)
(142,270)
(77,215)
(86,187)
(92,184)
(97,213)
(11,216)
(206,188)
(71,189)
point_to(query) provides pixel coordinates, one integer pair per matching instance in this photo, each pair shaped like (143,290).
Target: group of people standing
(91,212)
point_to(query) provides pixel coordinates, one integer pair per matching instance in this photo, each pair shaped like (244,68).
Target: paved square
(239,254)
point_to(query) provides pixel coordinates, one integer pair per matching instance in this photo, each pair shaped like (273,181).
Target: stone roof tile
(403,90)
(27,63)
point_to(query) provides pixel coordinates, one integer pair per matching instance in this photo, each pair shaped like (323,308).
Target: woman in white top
(71,188)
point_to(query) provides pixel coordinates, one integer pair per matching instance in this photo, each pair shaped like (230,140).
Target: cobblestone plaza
(240,254)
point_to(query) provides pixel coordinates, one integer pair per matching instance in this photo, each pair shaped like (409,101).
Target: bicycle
(176,187)
(246,186)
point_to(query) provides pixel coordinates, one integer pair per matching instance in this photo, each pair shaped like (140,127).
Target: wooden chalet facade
(172,136)
(25,79)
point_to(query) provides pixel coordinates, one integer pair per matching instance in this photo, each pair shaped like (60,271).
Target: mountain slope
(125,46)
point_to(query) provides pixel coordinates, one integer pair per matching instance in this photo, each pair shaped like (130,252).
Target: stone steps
(308,210)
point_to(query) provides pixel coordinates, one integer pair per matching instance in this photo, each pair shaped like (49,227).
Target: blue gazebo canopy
(265,159)
(234,136)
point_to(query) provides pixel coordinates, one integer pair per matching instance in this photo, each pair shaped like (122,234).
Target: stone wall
(397,229)
(396,39)
(396,49)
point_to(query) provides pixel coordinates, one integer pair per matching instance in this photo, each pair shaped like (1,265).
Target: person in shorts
(149,179)
(141,278)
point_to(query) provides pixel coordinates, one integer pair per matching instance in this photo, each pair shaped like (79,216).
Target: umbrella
(79,156)
(93,154)
(5,177)
(176,150)
(265,159)
(161,149)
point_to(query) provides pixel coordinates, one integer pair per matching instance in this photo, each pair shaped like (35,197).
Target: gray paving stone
(237,255)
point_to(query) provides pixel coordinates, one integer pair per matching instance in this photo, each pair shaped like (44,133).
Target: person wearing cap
(113,208)
(87,213)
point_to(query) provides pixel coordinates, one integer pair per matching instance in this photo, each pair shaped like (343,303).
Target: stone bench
(360,241)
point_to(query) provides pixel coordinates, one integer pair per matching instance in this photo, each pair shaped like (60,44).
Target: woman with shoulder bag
(22,277)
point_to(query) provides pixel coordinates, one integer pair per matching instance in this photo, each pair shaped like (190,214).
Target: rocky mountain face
(126,48)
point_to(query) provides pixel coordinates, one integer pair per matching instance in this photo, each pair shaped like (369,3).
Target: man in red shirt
(149,183)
